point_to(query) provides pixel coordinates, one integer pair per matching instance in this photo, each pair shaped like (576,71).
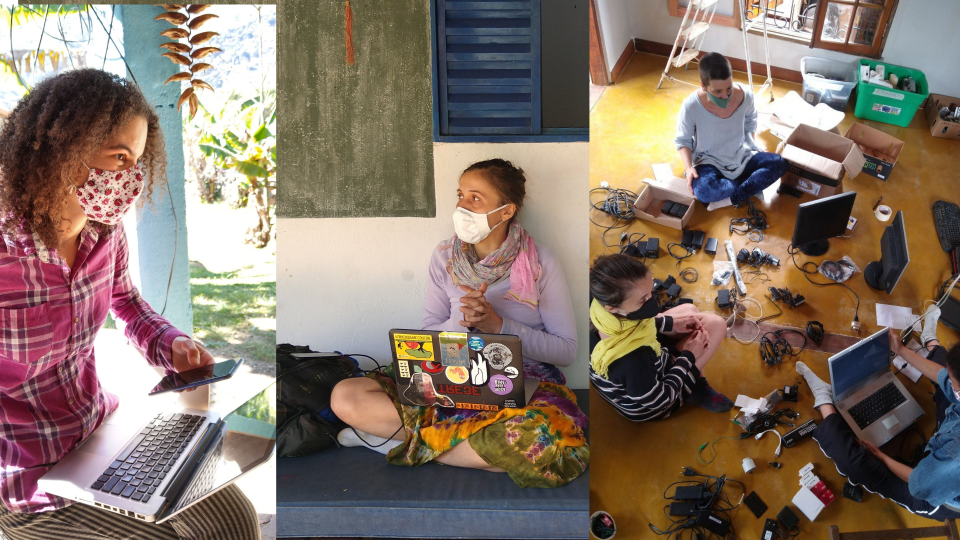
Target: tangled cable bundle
(753,225)
(774,349)
(617,203)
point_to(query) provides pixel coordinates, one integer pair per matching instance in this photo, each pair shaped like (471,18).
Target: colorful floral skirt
(540,445)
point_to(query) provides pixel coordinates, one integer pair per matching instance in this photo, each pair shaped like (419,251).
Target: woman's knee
(682,309)
(348,396)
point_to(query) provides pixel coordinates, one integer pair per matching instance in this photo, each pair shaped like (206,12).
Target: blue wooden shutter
(489,67)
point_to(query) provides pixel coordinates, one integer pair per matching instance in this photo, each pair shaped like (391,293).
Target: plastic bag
(722,270)
(839,271)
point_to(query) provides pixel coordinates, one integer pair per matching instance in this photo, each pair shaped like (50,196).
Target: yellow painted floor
(632,127)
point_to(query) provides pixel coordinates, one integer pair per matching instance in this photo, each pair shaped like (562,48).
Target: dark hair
(60,123)
(953,361)
(507,180)
(714,67)
(611,276)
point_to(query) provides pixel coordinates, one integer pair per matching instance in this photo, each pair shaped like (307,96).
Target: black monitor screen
(823,219)
(894,254)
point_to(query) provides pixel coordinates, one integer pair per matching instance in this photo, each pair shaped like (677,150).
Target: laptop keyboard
(877,405)
(146,461)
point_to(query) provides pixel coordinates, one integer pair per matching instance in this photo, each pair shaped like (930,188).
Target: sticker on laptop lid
(432,367)
(500,385)
(476,344)
(509,404)
(479,374)
(498,355)
(413,346)
(453,349)
(404,367)
(457,374)
(511,372)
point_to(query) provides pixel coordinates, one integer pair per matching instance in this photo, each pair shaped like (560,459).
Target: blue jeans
(762,170)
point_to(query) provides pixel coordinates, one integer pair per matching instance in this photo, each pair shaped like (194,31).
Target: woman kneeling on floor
(643,364)
(492,278)
(932,488)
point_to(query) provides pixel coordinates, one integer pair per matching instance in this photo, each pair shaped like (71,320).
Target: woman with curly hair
(75,155)
(490,277)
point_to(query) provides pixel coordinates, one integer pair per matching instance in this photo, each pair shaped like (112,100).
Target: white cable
(779,446)
(943,300)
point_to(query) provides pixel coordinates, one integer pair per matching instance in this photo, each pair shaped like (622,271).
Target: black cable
(617,203)
(685,273)
(792,251)
(918,451)
(756,221)
(815,331)
(774,351)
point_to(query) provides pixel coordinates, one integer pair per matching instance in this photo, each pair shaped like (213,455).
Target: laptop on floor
(867,394)
(168,464)
(463,370)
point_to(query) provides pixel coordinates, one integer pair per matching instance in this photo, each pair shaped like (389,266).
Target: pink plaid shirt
(50,396)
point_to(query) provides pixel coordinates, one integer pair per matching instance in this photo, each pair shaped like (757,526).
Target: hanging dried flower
(186,19)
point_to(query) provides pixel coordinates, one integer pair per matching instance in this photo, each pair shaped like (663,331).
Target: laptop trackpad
(891,422)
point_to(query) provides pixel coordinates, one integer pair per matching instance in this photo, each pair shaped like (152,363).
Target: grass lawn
(233,284)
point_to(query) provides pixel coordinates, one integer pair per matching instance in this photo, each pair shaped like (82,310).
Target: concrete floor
(632,127)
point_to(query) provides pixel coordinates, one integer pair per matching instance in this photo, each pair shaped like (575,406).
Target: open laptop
(867,394)
(156,470)
(463,370)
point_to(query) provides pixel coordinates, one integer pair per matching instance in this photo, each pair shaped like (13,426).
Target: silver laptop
(154,472)
(867,394)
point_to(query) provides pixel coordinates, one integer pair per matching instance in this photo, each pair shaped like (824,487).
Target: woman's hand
(188,354)
(690,173)
(686,324)
(872,448)
(697,343)
(894,341)
(477,312)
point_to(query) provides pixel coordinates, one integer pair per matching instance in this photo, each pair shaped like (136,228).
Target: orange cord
(349,23)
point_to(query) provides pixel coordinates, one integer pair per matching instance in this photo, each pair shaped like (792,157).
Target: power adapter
(769,530)
(723,299)
(791,393)
(788,518)
(711,248)
(652,250)
(674,291)
(692,239)
(714,522)
(636,249)
(691,493)
(683,508)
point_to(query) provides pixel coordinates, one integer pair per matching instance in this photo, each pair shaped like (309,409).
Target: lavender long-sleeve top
(547,334)
(724,143)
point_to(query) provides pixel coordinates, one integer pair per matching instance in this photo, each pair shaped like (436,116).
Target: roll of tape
(883,212)
(748,465)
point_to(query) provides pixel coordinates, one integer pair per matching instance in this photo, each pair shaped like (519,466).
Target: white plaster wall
(923,38)
(615,27)
(342,284)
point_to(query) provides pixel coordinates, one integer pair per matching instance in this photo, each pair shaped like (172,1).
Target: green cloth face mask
(722,103)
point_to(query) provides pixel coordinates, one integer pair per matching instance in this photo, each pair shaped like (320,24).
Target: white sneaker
(719,204)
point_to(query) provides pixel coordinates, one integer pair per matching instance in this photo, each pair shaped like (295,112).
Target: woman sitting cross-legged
(643,364)
(493,278)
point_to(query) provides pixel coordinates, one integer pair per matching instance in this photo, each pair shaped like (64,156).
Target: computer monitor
(894,257)
(820,220)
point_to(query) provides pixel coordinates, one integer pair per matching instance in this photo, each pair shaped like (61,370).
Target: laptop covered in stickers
(462,370)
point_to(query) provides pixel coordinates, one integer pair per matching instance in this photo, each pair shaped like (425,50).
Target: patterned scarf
(516,256)
(625,336)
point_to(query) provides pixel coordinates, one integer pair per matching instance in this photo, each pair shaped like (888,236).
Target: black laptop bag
(307,424)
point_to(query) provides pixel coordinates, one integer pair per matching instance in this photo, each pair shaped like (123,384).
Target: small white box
(808,503)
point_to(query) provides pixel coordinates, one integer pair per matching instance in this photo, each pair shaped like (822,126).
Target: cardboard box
(879,149)
(819,161)
(656,193)
(939,127)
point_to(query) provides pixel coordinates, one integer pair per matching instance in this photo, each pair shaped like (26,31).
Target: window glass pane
(874,2)
(836,22)
(866,25)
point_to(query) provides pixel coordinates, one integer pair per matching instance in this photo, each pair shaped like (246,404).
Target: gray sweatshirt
(724,143)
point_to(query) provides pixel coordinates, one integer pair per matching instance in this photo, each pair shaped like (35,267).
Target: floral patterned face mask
(106,196)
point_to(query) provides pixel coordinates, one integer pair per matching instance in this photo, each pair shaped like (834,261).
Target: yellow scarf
(625,336)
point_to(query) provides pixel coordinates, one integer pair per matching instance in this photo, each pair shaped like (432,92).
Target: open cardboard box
(938,126)
(879,149)
(819,160)
(657,192)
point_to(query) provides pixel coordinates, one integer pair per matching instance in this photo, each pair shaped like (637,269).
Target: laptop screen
(860,362)
(247,440)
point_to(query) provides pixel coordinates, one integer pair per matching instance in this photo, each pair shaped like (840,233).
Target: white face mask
(106,196)
(472,227)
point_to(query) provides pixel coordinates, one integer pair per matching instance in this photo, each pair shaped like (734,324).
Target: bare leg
(716,327)
(362,404)
(682,309)
(463,455)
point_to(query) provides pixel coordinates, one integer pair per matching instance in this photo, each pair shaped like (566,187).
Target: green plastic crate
(890,105)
